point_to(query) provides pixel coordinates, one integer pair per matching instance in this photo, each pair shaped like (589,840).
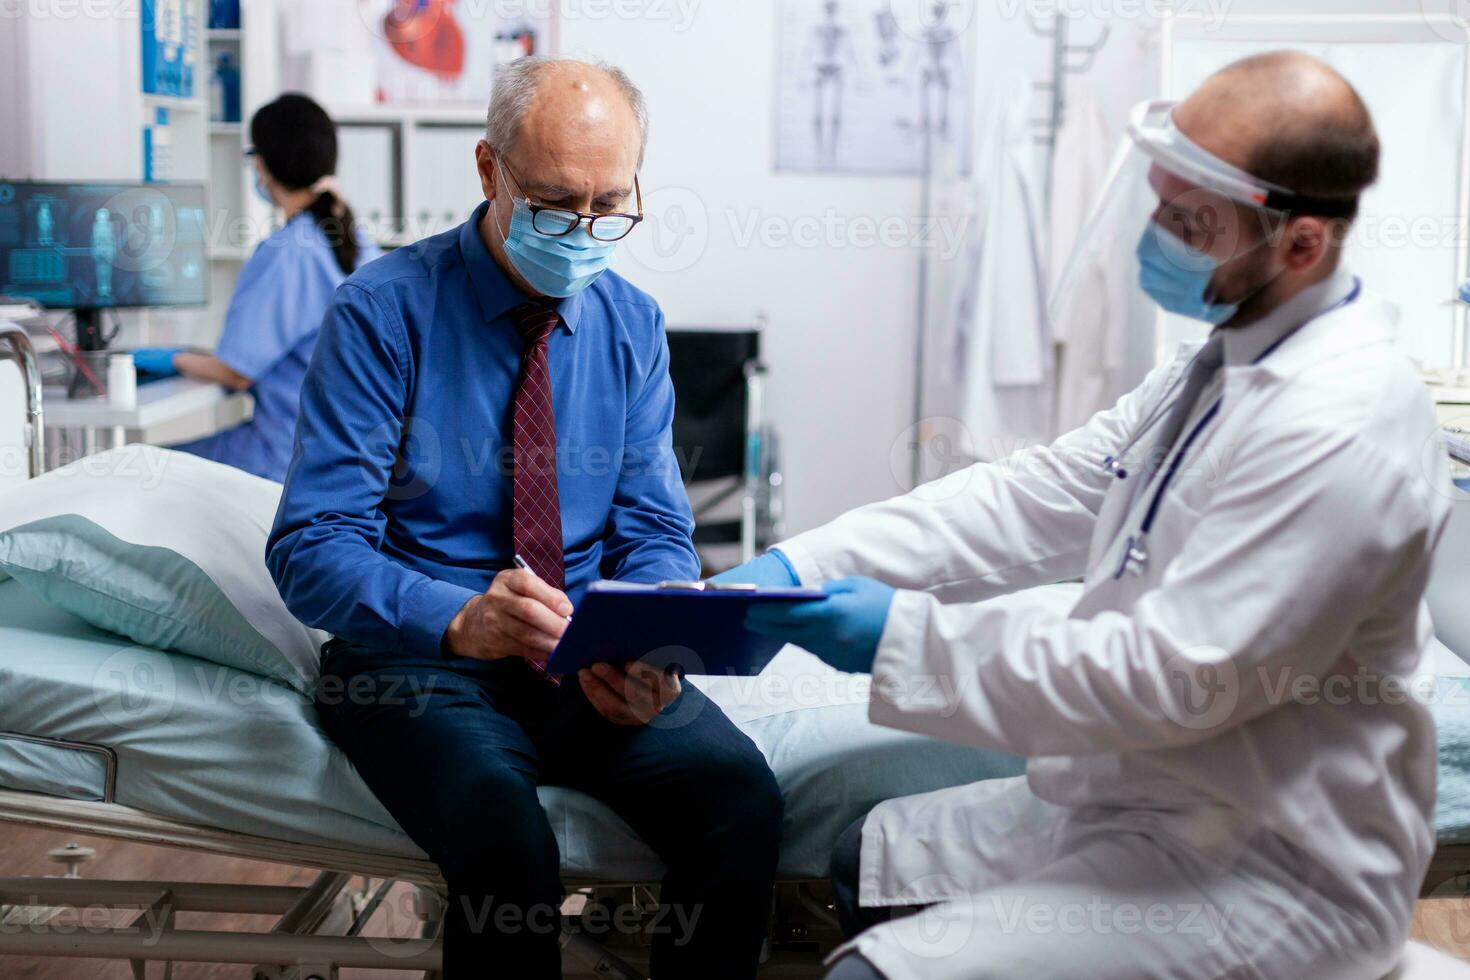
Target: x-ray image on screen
(95,246)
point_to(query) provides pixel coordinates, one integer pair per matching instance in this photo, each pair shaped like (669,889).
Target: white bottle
(122,381)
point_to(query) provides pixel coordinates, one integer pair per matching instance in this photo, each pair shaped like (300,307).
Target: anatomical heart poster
(445,51)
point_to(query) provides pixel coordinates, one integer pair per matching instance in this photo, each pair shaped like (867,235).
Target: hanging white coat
(1231,720)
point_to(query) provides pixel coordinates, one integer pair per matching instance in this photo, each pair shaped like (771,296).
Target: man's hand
(518,616)
(632,695)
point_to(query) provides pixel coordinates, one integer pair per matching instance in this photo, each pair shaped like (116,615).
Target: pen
(525,566)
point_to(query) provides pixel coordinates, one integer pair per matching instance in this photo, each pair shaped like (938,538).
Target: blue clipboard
(696,626)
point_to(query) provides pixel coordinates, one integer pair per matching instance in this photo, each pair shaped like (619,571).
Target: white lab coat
(1164,758)
(1001,346)
(1091,334)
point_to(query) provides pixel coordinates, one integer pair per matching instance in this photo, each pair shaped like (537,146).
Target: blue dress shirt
(397,506)
(270,332)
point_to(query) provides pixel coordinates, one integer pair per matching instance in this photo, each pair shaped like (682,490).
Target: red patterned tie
(535,502)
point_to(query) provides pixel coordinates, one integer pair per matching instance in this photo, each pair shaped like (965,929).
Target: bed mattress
(209,745)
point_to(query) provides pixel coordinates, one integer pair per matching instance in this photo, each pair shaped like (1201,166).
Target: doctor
(284,288)
(1226,774)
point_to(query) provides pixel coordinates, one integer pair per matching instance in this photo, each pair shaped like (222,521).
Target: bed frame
(15,345)
(318,929)
(319,926)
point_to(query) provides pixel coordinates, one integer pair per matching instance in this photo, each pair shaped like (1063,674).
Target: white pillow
(164,548)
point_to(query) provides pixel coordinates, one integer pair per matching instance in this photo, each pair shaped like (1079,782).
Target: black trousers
(846,858)
(455,749)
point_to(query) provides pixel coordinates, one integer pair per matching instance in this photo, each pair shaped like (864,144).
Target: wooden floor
(1442,921)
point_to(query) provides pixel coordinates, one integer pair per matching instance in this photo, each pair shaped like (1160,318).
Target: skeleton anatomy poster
(863,83)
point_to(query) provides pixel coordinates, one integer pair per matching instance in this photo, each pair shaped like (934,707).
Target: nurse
(284,289)
(1230,770)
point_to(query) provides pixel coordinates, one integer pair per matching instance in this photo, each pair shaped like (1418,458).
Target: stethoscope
(1135,550)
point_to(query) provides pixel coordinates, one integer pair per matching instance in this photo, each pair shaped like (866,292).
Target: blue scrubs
(270,333)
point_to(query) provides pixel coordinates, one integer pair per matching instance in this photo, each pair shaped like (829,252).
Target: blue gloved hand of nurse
(770,571)
(843,629)
(157,361)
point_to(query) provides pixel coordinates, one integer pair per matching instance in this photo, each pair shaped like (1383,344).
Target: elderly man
(495,392)
(1228,773)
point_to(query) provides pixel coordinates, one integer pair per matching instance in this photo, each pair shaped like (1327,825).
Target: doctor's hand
(770,570)
(518,616)
(629,695)
(843,629)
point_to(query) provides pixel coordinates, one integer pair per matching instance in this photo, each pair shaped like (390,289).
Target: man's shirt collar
(1243,345)
(493,289)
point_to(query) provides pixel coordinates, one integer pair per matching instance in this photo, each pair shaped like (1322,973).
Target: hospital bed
(100,736)
(104,737)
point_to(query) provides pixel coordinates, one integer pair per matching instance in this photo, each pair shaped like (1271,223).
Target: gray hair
(515,88)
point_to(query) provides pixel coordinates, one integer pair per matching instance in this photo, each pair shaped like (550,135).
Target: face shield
(1176,229)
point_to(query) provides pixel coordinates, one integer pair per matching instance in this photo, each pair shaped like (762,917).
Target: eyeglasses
(606,226)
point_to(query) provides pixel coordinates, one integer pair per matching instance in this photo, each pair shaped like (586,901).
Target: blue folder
(696,626)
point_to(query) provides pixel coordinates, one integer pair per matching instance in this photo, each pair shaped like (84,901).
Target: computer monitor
(92,247)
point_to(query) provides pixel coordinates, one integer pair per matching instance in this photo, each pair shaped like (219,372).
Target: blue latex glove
(843,629)
(157,361)
(771,570)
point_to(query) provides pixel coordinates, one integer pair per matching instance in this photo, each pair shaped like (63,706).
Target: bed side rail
(15,345)
(108,756)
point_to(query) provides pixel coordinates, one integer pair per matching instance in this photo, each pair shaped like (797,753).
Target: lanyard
(1135,554)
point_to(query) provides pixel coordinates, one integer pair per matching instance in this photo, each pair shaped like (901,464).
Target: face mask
(261,191)
(554,265)
(1177,277)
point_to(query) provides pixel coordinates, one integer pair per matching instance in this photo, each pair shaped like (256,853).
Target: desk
(169,411)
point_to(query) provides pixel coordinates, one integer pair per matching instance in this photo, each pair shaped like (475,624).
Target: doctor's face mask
(1200,255)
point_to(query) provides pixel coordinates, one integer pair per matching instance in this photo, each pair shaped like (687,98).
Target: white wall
(72,95)
(841,315)
(840,334)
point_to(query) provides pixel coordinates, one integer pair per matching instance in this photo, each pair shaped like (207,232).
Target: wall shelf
(173,102)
